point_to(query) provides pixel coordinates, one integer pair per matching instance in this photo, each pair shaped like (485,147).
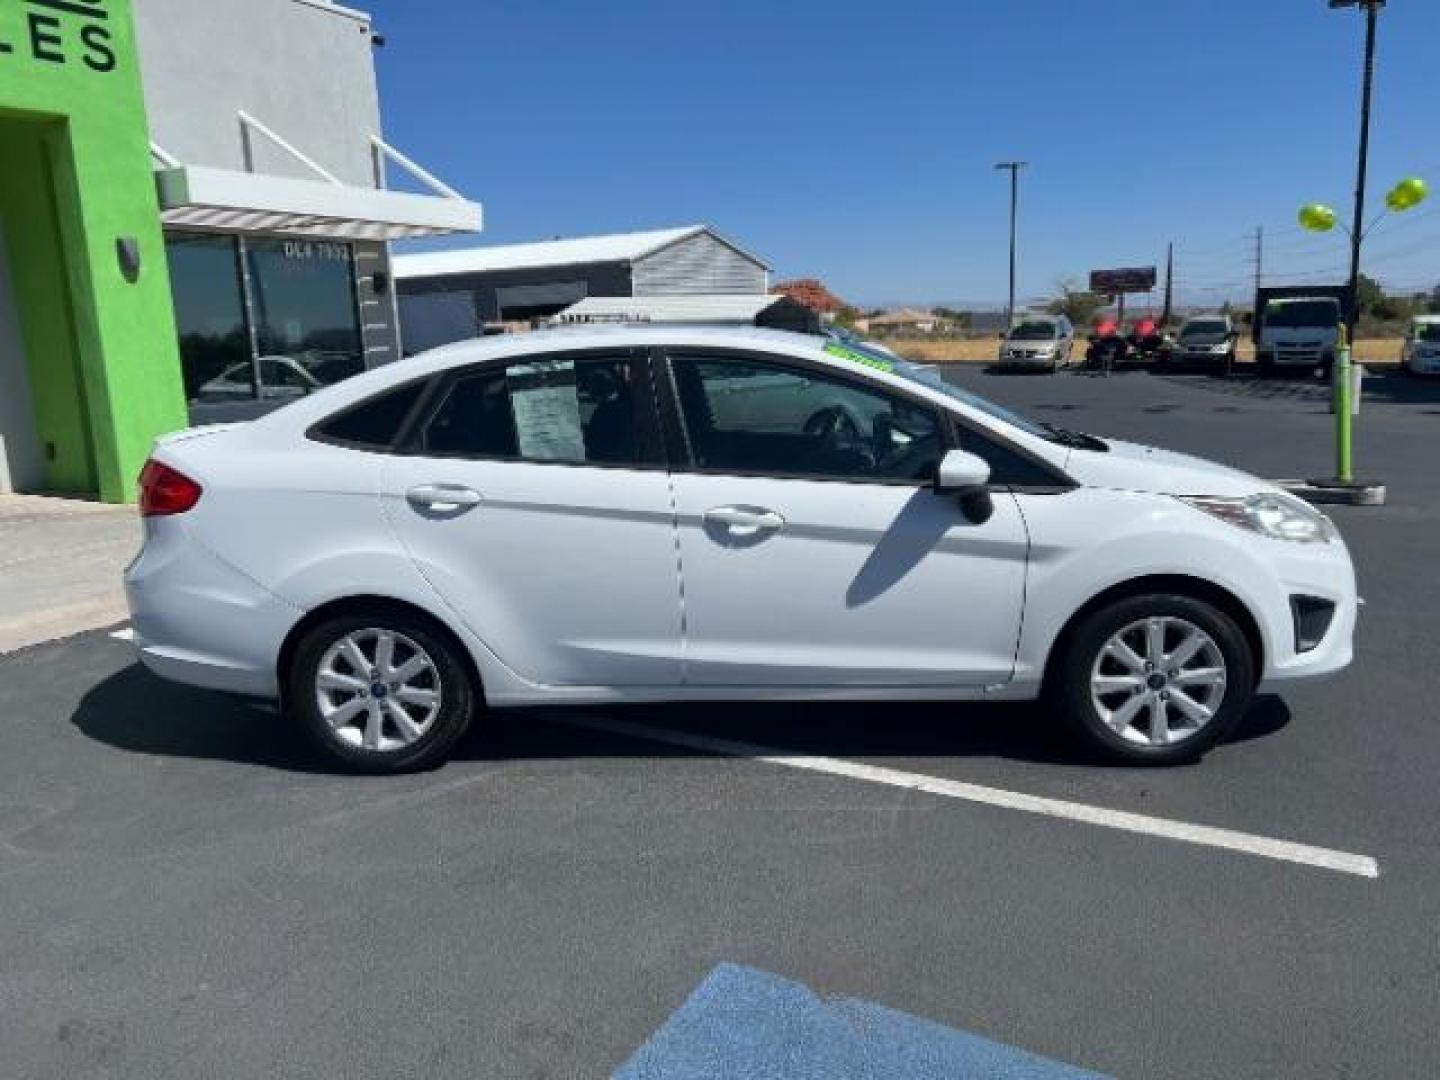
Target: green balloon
(1317,217)
(1409,193)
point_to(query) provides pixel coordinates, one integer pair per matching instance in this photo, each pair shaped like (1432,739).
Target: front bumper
(199,620)
(1315,572)
(1298,357)
(1028,360)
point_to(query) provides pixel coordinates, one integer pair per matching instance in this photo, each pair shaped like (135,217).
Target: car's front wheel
(1155,679)
(380,693)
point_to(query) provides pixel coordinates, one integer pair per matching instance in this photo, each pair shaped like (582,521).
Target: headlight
(1281,517)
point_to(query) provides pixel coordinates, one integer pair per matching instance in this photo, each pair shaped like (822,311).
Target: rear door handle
(745,520)
(443,498)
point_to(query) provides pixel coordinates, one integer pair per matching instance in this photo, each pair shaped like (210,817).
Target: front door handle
(745,520)
(443,498)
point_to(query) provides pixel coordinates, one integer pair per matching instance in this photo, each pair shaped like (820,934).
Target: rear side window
(582,410)
(373,424)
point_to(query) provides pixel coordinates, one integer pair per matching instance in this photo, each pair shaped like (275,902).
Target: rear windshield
(1427,332)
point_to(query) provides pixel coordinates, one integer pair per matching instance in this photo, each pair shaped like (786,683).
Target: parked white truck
(1298,332)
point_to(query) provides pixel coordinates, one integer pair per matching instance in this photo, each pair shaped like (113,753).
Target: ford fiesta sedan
(631,514)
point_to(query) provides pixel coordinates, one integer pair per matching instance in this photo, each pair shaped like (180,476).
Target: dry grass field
(984,350)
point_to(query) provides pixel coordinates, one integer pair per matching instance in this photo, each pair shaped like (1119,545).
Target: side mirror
(963,474)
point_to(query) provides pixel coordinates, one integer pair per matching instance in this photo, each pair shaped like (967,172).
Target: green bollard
(1343,419)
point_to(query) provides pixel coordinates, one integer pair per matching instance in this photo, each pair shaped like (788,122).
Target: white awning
(199,197)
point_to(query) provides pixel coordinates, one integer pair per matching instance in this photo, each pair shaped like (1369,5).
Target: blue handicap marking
(744,1024)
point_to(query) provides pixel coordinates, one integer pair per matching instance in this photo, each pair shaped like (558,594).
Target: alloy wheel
(378,689)
(1158,681)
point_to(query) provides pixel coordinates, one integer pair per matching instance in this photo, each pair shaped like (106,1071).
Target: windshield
(1033,331)
(1312,313)
(1203,327)
(1427,331)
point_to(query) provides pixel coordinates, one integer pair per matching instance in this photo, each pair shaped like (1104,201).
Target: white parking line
(1205,835)
(125,633)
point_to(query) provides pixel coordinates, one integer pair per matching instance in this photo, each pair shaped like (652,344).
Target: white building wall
(305,70)
(701,264)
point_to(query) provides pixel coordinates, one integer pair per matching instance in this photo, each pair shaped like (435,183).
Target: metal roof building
(449,296)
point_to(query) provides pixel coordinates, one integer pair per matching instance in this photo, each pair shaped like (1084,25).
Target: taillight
(164,490)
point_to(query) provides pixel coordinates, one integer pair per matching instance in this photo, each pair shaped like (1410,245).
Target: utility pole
(1259,260)
(1014,168)
(1169,286)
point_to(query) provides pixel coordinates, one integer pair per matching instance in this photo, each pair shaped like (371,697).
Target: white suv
(1421,353)
(680,514)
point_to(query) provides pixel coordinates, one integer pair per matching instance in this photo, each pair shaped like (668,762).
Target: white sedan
(627,514)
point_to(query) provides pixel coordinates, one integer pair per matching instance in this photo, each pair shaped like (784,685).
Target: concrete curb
(1337,492)
(62,622)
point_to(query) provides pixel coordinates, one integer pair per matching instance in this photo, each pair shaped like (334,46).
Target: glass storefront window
(305,312)
(210,313)
(307,327)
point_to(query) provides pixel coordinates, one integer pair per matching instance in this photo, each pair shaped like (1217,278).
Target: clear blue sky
(855,142)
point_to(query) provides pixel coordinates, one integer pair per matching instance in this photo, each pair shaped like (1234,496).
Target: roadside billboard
(1133,279)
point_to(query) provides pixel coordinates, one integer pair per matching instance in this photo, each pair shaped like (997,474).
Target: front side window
(587,410)
(307,324)
(750,416)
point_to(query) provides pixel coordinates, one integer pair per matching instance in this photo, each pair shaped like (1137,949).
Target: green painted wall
(42,296)
(102,353)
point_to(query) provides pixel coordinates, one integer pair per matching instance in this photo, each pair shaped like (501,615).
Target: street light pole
(1357,232)
(1014,167)
(1406,195)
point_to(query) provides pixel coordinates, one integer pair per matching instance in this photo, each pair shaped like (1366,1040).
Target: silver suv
(1208,340)
(1045,342)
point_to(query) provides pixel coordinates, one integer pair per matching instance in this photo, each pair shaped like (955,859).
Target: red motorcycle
(1108,347)
(1147,343)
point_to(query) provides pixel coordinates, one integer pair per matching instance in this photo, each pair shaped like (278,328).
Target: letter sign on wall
(64,32)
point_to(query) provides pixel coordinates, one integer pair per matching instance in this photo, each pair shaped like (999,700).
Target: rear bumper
(231,627)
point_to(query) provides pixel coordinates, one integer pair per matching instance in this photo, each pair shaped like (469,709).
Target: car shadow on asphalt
(137,712)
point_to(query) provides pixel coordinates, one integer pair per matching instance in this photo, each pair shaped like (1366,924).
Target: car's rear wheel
(1155,679)
(380,693)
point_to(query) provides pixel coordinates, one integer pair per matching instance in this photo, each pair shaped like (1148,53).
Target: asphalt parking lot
(188,892)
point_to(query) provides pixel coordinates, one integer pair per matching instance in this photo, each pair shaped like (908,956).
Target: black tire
(448,673)
(1069,688)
